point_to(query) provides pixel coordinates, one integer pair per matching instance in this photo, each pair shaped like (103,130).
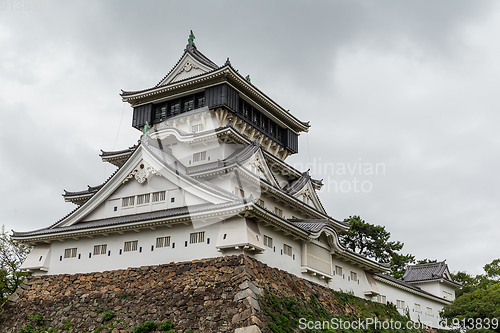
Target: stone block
(14,297)
(251,302)
(249,329)
(251,286)
(244,294)
(242,315)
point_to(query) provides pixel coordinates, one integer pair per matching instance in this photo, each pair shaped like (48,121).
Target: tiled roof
(114,221)
(203,59)
(297,184)
(405,284)
(312,226)
(89,190)
(426,272)
(193,51)
(129,150)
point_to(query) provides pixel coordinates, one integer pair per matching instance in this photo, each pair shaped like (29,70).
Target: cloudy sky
(402,98)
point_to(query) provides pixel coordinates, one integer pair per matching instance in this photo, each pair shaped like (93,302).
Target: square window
(159,196)
(143,199)
(197,128)
(197,237)
(70,253)
(172,199)
(278,211)
(130,246)
(201,156)
(163,241)
(128,201)
(100,249)
(268,241)
(382,299)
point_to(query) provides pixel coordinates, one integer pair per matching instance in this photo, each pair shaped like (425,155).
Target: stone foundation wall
(212,295)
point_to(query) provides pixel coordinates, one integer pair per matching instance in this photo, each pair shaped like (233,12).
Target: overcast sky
(409,89)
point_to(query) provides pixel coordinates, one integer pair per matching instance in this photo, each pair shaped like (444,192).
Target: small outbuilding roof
(428,272)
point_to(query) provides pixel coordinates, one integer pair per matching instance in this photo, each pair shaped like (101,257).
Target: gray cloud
(407,84)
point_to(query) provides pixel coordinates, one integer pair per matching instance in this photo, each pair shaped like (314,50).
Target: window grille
(287,249)
(417,307)
(201,156)
(382,299)
(197,128)
(400,304)
(163,241)
(278,211)
(201,101)
(143,199)
(354,276)
(100,249)
(159,196)
(338,270)
(429,311)
(70,253)
(197,237)
(128,201)
(260,202)
(130,246)
(268,241)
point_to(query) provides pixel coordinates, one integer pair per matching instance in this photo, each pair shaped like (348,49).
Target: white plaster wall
(147,238)
(178,252)
(275,257)
(393,294)
(344,283)
(174,197)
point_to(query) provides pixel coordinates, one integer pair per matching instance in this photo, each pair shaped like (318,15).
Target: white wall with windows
(133,249)
(419,308)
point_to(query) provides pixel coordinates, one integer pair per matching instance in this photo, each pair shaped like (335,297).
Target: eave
(223,74)
(365,263)
(58,235)
(413,291)
(441,280)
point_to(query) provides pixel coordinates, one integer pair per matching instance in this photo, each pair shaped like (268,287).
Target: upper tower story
(196,88)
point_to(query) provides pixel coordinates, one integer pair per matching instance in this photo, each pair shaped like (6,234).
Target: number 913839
(471,323)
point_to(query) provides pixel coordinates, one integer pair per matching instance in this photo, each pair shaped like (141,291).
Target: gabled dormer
(192,63)
(304,189)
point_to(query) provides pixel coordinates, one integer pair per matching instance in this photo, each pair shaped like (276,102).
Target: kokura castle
(207,178)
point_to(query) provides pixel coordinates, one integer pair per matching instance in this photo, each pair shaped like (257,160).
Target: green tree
(425,261)
(481,303)
(12,255)
(493,270)
(479,297)
(373,241)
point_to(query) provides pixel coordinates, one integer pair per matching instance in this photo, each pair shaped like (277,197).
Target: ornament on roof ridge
(248,78)
(146,128)
(191,39)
